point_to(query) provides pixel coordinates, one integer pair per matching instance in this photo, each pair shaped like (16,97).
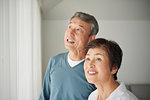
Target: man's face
(77,34)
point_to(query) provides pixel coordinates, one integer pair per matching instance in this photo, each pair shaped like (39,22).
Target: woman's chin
(92,81)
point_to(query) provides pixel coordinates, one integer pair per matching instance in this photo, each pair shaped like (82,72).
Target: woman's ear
(114,69)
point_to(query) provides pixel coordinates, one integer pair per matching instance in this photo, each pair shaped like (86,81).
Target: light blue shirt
(62,82)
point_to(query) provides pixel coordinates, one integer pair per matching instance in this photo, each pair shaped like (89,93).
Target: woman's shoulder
(93,95)
(126,94)
(122,93)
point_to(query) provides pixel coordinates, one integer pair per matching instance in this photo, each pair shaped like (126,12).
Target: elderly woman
(102,62)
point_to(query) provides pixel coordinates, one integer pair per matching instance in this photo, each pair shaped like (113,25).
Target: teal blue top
(62,82)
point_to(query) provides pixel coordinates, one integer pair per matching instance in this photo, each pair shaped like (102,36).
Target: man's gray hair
(89,19)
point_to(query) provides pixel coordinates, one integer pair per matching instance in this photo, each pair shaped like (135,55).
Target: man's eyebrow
(78,25)
(81,26)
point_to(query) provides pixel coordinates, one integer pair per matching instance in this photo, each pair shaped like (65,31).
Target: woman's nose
(91,64)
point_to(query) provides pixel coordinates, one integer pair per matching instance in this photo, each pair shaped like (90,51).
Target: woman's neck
(104,90)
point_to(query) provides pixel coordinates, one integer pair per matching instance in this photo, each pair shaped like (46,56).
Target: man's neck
(76,56)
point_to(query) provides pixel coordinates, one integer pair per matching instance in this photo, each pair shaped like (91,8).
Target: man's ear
(114,69)
(92,37)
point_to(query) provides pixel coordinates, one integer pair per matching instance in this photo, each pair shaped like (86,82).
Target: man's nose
(72,32)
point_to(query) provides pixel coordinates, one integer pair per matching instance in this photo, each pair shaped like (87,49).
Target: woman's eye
(87,59)
(98,59)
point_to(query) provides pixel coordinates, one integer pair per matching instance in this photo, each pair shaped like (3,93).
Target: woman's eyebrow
(99,54)
(95,54)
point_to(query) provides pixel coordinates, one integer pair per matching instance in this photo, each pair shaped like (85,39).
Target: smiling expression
(96,66)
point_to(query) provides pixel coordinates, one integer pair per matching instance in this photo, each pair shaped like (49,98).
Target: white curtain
(20,50)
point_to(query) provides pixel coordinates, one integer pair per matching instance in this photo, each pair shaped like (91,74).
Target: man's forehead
(80,25)
(79,22)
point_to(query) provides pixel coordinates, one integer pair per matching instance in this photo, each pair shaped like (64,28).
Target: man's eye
(78,29)
(69,27)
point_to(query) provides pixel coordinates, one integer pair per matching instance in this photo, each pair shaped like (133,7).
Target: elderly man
(65,78)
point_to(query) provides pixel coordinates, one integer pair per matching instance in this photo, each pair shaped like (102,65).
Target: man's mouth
(70,41)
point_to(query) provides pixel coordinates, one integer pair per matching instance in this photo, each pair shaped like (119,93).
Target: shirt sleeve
(128,96)
(45,93)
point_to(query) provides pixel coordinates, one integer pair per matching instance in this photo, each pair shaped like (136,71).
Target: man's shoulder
(57,59)
(59,56)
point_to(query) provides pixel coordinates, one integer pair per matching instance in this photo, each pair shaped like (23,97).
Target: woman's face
(96,66)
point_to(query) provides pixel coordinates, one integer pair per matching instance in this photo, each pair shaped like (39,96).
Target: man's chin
(68,48)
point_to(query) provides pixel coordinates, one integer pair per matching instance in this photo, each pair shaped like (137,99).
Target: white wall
(52,39)
(127,22)
(133,37)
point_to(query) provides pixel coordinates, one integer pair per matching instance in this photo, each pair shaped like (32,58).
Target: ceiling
(47,5)
(101,9)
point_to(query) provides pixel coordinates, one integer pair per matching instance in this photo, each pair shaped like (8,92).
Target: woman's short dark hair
(111,48)
(89,19)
